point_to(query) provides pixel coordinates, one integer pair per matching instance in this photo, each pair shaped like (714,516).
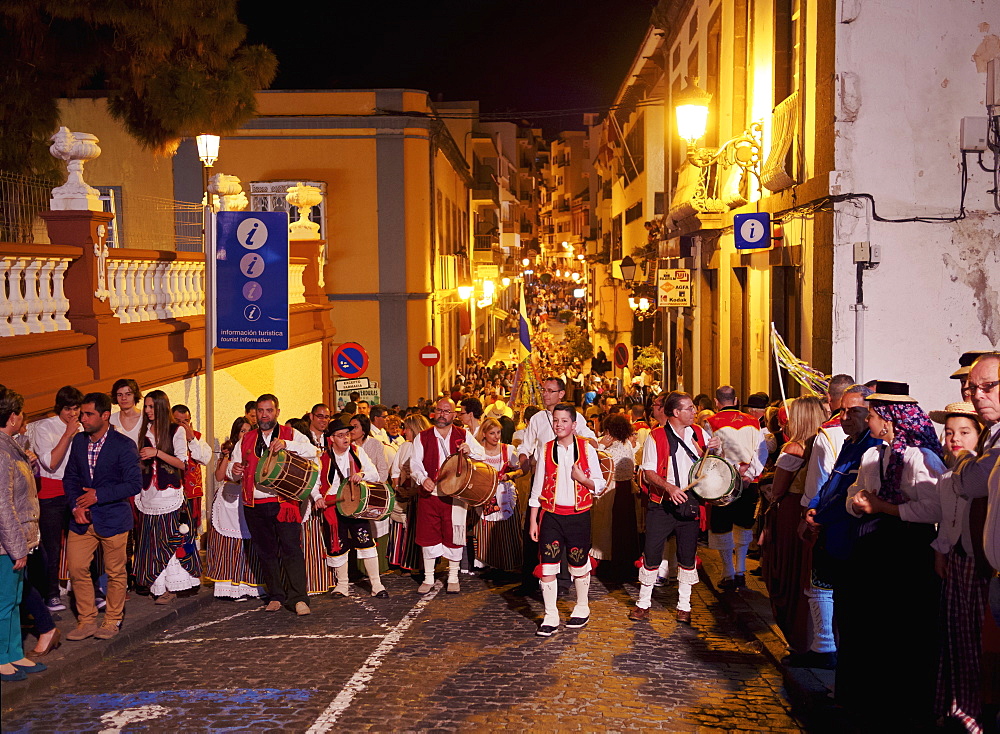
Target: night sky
(512,55)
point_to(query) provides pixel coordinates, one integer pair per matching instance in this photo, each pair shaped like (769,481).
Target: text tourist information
(251,250)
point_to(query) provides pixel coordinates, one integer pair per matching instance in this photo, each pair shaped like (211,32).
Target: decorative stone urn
(228,195)
(76,149)
(303,198)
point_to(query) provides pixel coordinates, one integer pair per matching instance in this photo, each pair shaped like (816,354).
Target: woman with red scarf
(887,610)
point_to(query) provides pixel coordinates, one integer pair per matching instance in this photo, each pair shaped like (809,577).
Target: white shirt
(368,470)
(650,461)
(539,432)
(116,421)
(401,459)
(826,448)
(154,501)
(565,486)
(918,482)
(44,435)
(200,451)
(298,445)
(444,451)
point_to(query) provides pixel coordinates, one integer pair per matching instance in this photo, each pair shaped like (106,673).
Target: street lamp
(628,268)
(691,110)
(208,152)
(465,292)
(505,281)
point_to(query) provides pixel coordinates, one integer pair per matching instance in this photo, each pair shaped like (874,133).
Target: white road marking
(363,675)
(270,637)
(194,627)
(118,720)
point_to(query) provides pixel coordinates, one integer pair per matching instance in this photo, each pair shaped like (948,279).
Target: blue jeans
(10,619)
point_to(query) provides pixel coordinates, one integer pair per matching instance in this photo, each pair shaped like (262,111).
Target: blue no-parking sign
(251,261)
(752,231)
(350,360)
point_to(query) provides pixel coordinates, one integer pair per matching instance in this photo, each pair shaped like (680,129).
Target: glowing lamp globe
(691,110)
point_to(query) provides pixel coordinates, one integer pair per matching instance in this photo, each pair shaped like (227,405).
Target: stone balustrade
(151,289)
(145,285)
(32,300)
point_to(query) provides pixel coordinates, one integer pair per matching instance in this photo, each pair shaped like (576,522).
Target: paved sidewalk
(810,690)
(143,619)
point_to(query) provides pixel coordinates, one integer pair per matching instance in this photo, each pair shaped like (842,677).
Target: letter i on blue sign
(752,231)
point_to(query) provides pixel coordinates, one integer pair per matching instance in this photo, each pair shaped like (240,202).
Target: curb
(91,652)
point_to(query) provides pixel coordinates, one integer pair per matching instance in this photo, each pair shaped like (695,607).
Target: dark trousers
(31,597)
(279,547)
(661,523)
(53,520)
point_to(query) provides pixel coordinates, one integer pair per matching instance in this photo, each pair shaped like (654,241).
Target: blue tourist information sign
(251,250)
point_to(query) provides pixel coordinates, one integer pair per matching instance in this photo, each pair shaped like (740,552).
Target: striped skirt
(403,550)
(319,578)
(963,605)
(232,560)
(498,543)
(160,539)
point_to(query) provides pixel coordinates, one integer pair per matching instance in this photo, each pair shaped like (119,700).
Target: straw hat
(965,364)
(964,409)
(892,392)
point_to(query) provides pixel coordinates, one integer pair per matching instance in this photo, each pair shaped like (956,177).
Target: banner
(251,266)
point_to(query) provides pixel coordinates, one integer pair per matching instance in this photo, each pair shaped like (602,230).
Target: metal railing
(21,199)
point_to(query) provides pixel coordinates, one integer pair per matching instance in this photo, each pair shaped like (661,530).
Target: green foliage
(578,343)
(169,69)
(650,360)
(565,316)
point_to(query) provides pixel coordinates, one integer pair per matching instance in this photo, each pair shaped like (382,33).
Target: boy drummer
(567,479)
(340,462)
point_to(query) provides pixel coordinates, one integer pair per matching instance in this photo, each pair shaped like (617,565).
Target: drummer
(440,520)
(341,462)
(566,482)
(274,523)
(667,457)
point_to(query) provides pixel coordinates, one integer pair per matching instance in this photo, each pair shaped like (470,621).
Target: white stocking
(686,579)
(582,608)
(550,592)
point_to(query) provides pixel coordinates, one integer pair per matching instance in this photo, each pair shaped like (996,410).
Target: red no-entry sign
(621,356)
(429,356)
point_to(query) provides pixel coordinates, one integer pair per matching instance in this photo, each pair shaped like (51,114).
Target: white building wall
(901,98)
(294,376)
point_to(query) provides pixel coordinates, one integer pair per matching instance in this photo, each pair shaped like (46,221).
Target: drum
(289,476)
(471,481)
(365,500)
(607,468)
(715,480)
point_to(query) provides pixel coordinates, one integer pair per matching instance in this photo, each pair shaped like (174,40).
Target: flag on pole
(524,327)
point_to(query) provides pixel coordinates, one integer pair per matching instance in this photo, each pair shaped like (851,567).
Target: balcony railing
(32,300)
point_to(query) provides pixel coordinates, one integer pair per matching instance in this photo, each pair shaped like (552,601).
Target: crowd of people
(875,522)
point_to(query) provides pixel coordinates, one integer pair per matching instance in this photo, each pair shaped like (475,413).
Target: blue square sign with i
(752,231)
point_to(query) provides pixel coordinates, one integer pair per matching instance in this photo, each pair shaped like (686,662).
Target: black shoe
(728,584)
(756,572)
(546,630)
(381,595)
(740,580)
(575,623)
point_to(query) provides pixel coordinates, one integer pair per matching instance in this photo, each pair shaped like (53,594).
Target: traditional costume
(344,534)
(731,527)
(498,531)
(232,562)
(887,604)
(564,525)
(441,520)
(199,455)
(274,522)
(166,556)
(671,457)
(403,550)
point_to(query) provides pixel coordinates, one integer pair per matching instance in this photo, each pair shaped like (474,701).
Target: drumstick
(701,463)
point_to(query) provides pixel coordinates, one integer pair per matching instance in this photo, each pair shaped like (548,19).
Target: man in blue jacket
(102,473)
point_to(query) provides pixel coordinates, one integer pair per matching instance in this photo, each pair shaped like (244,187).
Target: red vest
(733,418)
(325,463)
(250,459)
(193,486)
(432,456)
(584,499)
(663,459)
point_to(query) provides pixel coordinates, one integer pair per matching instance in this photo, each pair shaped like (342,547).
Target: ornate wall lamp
(691,109)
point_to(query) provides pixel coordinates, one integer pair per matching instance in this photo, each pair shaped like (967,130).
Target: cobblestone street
(440,662)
